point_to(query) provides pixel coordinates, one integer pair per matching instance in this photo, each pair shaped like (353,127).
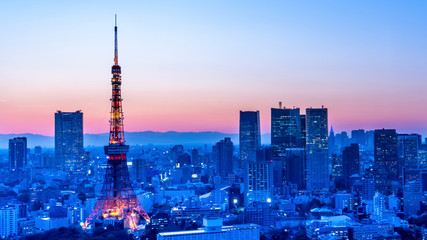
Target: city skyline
(203,62)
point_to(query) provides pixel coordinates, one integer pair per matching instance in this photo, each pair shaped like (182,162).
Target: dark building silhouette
(295,166)
(286,130)
(331,143)
(317,148)
(17,153)
(407,151)
(138,169)
(386,159)
(184,159)
(223,156)
(303,131)
(69,141)
(359,137)
(249,136)
(350,159)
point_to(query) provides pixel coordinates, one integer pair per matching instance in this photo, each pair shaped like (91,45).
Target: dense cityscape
(306,182)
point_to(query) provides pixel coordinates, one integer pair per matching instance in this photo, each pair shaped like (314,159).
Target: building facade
(214,230)
(17,153)
(386,159)
(8,221)
(223,157)
(258,182)
(286,130)
(69,141)
(317,148)
(350,160)
(249,136)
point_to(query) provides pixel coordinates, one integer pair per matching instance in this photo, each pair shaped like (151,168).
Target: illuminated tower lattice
(117,201)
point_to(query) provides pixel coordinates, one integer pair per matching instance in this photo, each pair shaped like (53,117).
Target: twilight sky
(192,65)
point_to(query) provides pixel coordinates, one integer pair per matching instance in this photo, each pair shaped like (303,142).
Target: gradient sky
(192,65)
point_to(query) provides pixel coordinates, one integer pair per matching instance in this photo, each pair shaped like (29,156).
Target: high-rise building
(386,158)
(17,153)
(69,141)
(258,182)
(38,154)
(249,135)
(407,151)
(422,159)
(317,148)
(8,221)
(368,188)
(138,169)
(295,166)
(286,131)
(331,143)
(412,197)
(350,159)
(223,156)
(359,137)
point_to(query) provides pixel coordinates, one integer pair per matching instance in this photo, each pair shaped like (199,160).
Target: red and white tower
(117,201)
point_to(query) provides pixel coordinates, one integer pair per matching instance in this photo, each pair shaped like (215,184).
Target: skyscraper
(407,151)
(295,166)
(350,159)
(286,131)
(8,221)
(317,148)
(69,141)
(17,153)
(386,158)
(258,182)
(412,197)
(223,156)
(249,135)
(331,143)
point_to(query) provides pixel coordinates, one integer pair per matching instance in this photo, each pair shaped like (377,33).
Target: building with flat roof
(213,229)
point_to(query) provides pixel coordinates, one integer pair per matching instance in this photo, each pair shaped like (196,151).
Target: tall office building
(17,153)
(286,130)
(295,163)
(350,160)
(138,169)
(412,197)
(331,143)
(69,141)
(386,158)
(8,221)
(249,135)
(223,156)
(407,151)
(258,182)
(317,148)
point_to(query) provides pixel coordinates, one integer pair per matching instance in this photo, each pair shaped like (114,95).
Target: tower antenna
(116,51)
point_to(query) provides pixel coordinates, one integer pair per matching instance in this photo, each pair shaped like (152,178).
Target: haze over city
(192,65)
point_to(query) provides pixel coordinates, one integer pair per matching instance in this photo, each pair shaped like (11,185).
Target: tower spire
(116,51)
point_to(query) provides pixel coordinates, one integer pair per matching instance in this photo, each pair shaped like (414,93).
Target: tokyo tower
(117,203)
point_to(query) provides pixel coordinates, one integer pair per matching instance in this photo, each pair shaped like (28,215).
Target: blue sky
(192,65)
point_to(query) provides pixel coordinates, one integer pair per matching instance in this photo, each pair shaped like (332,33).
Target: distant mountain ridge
(134,138)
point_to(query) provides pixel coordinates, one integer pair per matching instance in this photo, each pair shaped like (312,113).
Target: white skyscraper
(8,221)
